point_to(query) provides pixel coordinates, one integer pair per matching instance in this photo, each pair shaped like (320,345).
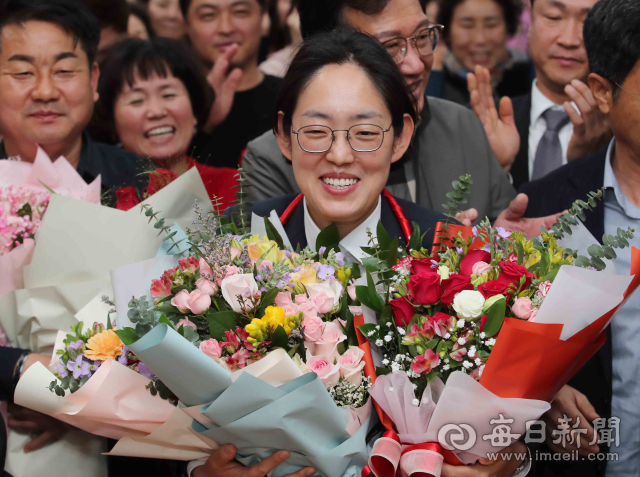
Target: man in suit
(558,121)
(608,386)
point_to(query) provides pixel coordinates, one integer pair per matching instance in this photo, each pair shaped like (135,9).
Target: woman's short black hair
(343,46)
(511,9)
(146,58)
(611,35)
(71,15)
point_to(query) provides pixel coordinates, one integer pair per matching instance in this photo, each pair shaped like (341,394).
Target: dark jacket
(549,195)
(522,116)
(294,227)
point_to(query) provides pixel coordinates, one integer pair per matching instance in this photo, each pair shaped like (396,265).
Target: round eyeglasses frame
(333,136)
(435,30)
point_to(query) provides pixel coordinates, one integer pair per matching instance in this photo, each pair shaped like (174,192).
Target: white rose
(332,290)
(242,284)
(468,304)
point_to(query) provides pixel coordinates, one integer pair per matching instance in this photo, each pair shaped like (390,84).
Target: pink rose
(160,287)
(198,302)
(283,299)
(480,267)
(235,252)
(328,373)
(206,286)
(230,270)
(300,299)
(211,348)
(424,363)
(312,327)
(181,301)
(351,290)
(291,310)
(244,285)
(543,288)
(308,309)
(205,269)
(185,322)
(327,344)
(351,365)
(522,308)
(323,303)
(325,295)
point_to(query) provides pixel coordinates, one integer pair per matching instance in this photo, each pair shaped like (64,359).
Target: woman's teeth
(161,131)
(339,183)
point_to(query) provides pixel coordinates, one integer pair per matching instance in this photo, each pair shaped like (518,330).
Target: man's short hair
(110,13)
(185,4)
(70,15)
(325,15)
(612,38)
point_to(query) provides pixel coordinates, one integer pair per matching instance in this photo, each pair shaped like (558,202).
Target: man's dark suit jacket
(549,195)
(522,117)
(294,227)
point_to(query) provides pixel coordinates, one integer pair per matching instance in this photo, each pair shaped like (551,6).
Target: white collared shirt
(537,126)
(352,243)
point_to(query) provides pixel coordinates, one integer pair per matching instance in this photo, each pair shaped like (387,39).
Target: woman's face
(154,118)
(342,185)
(166,18)
(136,28)
(478,34)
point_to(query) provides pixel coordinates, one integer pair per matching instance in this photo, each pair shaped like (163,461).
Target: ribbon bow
(417,460)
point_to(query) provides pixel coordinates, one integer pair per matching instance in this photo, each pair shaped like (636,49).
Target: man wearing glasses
(448,142)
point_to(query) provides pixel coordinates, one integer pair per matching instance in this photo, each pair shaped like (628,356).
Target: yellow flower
(105,345)
(306,275)
(263,249)
(533,259)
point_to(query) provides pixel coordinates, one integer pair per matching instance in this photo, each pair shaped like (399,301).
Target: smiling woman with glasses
(345,115)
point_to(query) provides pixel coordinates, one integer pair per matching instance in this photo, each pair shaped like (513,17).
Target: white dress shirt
(537,126)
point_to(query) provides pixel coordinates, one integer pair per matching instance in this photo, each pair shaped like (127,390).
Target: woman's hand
(222,463)
(45,428)
(507,461)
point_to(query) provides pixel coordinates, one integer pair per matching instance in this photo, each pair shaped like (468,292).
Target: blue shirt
(625,334)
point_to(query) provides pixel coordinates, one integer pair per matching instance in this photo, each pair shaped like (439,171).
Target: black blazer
(294,227)
(522,116)
(549,195)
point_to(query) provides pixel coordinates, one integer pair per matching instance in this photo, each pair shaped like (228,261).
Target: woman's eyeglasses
(361,137)
(424,42)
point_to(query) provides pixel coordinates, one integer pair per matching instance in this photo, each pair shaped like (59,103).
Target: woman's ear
(283,138)
(403,140)
(602,92)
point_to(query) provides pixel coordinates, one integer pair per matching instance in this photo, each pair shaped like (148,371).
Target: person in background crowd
(226,35)
(520,41)
(153,95)
(284,37)
(139,24)
(476,33)
(558,121)
(448,142)
(608,386)
(166,18)
(113,16)
(48,85)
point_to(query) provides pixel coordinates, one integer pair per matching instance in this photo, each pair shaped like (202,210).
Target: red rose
(425,288)
(494,287)
(126,198)
(453,285)
(511,274)
(471,258)
(422,266)
(159,179)
(403,311)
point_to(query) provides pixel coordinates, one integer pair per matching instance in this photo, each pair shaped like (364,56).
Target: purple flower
(123,359)
(474,231)
(460,250)
(296,270)
(62,370)
(146,372)
(487,248)
(434,264)
(79,367)
(258,278)
(286,277)
(322,250)
(287,253)
(503,233)
(340,258)
(281,284)
(76,345)
(325,272)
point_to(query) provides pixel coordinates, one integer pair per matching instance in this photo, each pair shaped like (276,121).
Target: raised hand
(591,129)
(501,129)
(222,463)
(569,403)
(512,218)
(467,217)
(224,83)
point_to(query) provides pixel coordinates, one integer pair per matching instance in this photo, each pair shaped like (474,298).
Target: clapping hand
(501,129)
(512,218)
(225,83)
(591,129)
(222,463)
